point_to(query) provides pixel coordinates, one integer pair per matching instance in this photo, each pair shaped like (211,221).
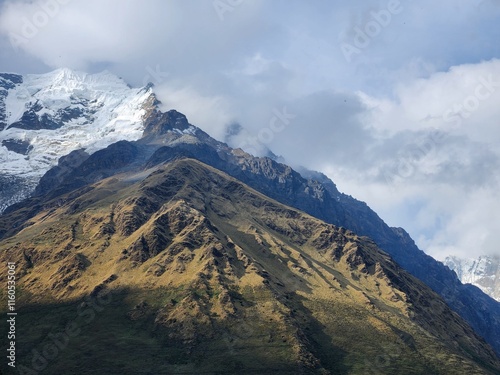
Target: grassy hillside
(184,270)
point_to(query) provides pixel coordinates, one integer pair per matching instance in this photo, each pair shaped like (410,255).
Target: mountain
(44,117)
(169,136)
(483,272)
(174,267)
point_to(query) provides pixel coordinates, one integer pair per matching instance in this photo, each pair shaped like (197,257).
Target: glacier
(483,272)
(46,116)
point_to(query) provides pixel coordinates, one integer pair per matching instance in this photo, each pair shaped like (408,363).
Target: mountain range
(44,117)
(217,260)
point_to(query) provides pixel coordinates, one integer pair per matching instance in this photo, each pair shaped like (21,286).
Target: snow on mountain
(46,116)
(483,272)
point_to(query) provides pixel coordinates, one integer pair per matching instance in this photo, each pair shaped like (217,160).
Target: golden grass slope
(208,276)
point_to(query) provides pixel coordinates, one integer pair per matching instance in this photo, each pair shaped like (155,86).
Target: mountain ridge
(190,255)
(162,141)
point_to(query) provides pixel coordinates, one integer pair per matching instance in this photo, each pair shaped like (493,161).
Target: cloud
(407,123)
(211,113)
(128,33)
(435,168)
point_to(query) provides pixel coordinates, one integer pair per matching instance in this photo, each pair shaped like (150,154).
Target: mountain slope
(315,194)
(169,135)
(187,270)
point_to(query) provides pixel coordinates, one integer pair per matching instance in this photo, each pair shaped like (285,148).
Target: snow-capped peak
(66,80)
(483,272)
(46,116)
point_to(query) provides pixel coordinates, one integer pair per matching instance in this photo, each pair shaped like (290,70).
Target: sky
(396,101)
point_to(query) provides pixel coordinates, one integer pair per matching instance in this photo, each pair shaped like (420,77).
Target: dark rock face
(158,123)
(165,154)
(56,175)
(112,158)
(79,169)
(18,146)
(30,120)
(3,118)
(68,114)
(9,80)
(316,195)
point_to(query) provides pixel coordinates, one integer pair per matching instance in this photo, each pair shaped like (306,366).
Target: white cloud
(209,112)
(435,174)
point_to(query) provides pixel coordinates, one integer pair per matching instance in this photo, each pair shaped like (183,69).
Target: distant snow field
(483,272)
